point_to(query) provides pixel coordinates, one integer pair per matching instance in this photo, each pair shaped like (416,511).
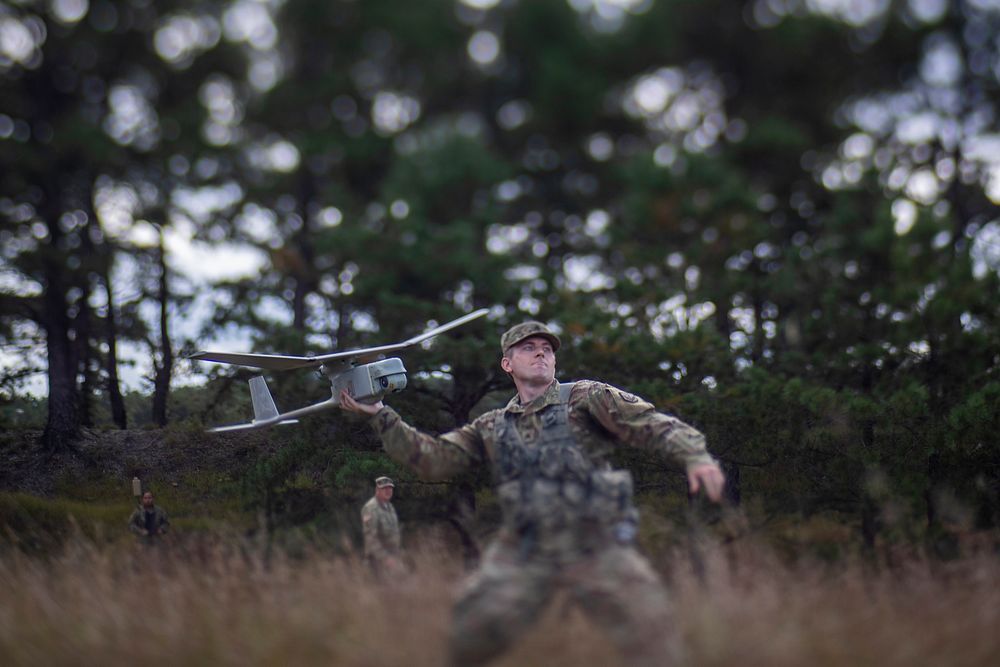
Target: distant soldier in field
(568,518)
(381,530)
(149,521)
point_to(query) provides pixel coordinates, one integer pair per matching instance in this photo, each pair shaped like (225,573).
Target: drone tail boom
(265,412)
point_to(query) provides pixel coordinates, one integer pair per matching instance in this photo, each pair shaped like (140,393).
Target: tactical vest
(553,486)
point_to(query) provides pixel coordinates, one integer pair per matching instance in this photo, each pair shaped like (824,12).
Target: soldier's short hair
(519,332)
(383,482)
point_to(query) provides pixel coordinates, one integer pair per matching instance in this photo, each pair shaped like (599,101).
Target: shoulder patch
(627,397)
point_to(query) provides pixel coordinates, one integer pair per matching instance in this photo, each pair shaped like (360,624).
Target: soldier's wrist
(699,461)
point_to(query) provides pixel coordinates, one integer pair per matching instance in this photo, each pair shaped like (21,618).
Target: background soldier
(381,530)
(568,518)
(149,521)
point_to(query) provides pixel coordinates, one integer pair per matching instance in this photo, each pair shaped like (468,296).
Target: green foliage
(22,412)
(357,470)
(730,246)
(38,525)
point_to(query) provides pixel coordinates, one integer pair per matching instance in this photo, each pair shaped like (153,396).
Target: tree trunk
(757,350)
(118,414)
(163,370)
(63,425)
(723,323)
(102,258)
(305,268)
(83,359)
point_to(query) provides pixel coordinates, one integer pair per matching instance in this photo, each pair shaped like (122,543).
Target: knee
(483,627)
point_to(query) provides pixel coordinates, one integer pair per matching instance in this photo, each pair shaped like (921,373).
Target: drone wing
(375,351)
(272,362)
(277,362)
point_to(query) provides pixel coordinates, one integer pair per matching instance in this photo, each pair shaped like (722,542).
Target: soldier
(568,518)
(149,521)
(381,530)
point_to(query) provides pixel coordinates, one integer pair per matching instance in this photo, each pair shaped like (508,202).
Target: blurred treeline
(774,218)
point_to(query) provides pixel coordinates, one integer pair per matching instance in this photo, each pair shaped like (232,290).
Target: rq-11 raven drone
(367,382)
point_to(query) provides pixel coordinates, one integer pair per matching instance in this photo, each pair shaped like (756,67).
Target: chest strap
(555,453)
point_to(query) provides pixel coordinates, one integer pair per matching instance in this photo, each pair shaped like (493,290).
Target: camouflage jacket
(601,417)
(381,529)
(137,522)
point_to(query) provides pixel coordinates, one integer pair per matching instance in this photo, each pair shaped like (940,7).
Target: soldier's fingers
(715,483)
(347,400)
(714,486)
(693,482)
(709,477)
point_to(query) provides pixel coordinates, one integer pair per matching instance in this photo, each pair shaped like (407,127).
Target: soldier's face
(147,499)
(384,493)
(532,360)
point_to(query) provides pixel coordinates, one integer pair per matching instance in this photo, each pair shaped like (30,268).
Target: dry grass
(226,602)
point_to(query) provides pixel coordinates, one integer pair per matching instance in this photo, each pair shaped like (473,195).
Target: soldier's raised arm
(433,458)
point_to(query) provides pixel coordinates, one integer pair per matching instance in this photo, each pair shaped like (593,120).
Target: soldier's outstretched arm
(637,422)
(433,458)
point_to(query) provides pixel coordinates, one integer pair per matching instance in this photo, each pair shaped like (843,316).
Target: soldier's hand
(394,565)
(348,403)
(709,477)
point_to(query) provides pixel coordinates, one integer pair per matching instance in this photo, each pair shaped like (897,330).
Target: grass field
(221,601)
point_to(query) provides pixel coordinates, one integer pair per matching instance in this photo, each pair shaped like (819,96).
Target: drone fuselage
(367,383)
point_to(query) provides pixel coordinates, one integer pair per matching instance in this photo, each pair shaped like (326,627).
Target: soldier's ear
(505,364)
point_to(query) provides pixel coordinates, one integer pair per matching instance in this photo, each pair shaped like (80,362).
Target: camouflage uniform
(568,521)
(158,520)
(381,530)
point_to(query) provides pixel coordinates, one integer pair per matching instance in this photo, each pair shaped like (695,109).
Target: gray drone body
(366,382)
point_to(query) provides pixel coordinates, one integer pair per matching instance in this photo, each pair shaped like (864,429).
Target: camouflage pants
(385,568)
(615,587)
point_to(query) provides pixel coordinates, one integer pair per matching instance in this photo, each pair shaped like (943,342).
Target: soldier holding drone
(568,518)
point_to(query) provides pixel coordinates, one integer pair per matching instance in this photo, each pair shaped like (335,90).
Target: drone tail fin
(265,413)
(264,408)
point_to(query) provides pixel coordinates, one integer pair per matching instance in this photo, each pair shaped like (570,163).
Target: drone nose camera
(390,384)
(368,383)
